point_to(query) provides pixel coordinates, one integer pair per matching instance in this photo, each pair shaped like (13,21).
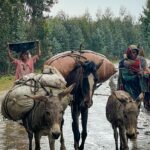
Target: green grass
(6,82)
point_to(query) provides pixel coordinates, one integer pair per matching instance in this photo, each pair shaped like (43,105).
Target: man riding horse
(134,75)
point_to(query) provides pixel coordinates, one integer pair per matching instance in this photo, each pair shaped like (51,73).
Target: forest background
(27,20)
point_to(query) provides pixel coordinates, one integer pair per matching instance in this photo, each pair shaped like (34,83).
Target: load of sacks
(17,102)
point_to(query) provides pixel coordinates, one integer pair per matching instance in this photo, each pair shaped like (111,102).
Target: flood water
(100,133)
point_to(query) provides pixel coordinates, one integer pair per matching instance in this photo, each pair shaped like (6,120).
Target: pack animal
(122,112)
(46,118)
(85,77)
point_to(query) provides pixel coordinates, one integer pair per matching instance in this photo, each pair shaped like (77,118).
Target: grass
(6,82)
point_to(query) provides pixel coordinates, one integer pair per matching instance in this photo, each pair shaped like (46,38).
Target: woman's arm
(38,48)
(10,54)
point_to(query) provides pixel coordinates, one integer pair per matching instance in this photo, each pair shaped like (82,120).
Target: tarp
(66,61)
(21,47)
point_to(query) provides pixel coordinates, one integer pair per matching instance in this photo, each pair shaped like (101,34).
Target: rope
(101,94)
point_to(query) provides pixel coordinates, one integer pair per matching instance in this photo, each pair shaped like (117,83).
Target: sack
(49,78)
(15,104)
(66,61)
(123,96)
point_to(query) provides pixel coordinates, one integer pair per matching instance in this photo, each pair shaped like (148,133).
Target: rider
(134,74)
(25,64)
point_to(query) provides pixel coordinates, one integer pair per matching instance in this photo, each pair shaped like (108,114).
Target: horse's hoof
(81,148)
(62,148)
(76,147)
(124,148)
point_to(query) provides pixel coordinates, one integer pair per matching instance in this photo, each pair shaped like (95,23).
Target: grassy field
(6,82)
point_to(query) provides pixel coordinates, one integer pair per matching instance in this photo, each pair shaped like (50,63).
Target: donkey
(85,76)
(46,118)
(122,112)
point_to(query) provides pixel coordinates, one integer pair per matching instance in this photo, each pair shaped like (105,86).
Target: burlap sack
(66,61)
(49,78)
(123,96)
(15,104)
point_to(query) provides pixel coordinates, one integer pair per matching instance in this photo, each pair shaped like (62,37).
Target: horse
(84,75)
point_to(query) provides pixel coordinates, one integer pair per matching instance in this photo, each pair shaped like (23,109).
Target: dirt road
(100,134)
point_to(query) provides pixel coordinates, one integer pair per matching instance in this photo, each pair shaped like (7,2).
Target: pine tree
(145,19)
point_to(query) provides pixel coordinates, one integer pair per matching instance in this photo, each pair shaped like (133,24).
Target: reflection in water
(134,145)
(100,135)
(14,136)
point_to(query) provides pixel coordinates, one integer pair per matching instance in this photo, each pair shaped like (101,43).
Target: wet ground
(100,134)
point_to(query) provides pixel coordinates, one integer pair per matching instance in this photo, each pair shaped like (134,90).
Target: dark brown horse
(85,76)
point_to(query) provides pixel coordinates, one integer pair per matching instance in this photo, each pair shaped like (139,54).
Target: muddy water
(100,134)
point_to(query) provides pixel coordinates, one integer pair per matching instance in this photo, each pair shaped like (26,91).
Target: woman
(134,75)
(25,64)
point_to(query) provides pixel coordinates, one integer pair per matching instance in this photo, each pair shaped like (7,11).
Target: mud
(100,133)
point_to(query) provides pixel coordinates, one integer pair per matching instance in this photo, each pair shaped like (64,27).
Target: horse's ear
(99,64)
(86,63)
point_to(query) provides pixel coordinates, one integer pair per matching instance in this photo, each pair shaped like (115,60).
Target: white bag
(16,104)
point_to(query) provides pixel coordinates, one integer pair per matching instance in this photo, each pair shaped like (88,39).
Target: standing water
(100,133)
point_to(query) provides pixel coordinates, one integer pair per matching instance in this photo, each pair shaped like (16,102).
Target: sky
(77,8)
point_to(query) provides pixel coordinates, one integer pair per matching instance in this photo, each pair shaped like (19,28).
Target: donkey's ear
(66,91)
(99,64)
(140,98)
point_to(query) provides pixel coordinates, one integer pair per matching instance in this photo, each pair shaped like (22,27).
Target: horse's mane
(75,77)
(79,76)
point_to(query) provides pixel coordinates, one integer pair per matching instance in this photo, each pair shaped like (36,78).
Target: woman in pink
(25,64)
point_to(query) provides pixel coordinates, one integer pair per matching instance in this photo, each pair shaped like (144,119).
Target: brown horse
(85,76)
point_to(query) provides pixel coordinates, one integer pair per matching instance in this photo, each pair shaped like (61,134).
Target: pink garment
(24,68)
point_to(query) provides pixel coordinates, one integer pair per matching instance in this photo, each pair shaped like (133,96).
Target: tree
(76,37)
(97,40)
(61,36)
(12,28)
(145,26)
(37,8)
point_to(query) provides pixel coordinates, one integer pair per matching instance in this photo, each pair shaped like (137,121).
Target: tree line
(27,20)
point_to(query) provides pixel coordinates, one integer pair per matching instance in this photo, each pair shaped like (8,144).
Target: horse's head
(85,77)
(88,81)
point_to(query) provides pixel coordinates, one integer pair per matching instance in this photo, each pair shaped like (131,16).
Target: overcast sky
(78,7)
